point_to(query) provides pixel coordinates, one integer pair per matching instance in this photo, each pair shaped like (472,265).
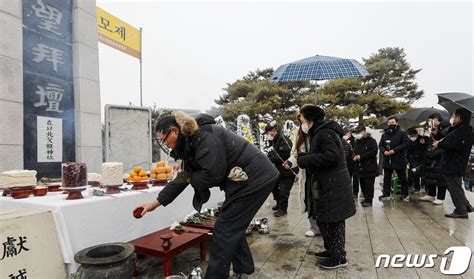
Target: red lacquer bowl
(21,192)
(40,191)
(137,213)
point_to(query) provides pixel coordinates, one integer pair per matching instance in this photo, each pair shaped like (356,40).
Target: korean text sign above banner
(118,34)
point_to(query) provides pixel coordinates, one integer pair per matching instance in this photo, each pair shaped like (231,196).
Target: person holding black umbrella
(456,146)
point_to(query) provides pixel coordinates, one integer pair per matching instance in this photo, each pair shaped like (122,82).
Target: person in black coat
(349,145)
(456,146)
(366,158)
(213,156)
(393,145)
(355,174)
(434,180)
(415,154)
(468,178)
(280,151)
(438,126)
(330,190)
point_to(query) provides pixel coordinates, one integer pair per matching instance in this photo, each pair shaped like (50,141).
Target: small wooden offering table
(151,245)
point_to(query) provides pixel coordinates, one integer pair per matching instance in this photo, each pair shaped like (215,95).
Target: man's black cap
(269,128)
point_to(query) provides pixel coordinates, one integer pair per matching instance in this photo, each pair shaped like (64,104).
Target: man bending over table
(213,156)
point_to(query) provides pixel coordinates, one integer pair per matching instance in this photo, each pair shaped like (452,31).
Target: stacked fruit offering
(161,172)
(137,175)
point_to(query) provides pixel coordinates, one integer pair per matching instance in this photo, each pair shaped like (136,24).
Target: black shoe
(366,204)
(456,215)
(384,198)
(276,207)
(332,263)
(323,255)
(279,213)
(469,209)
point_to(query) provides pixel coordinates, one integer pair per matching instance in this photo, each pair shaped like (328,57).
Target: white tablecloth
(97,220)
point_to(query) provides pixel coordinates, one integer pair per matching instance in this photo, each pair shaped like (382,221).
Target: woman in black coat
(435,182)
(328,184)
(366,157)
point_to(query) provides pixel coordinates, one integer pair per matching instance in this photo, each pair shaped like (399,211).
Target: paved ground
(386,228)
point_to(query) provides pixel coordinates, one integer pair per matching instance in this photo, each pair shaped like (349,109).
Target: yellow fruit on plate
(142,174)
(161,164)
(161,176)
(153,170)
(169,169)
(161,170)
(153,176)
(133,174)
(169,176)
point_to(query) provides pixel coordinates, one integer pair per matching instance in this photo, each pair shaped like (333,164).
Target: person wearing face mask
(349,153)
(302,143)
(415,154)
(355,175)
(280,149)
(330,199)
(366,158)
(456,147)
(437,126)
(393,145)
(434,180)
(215,157)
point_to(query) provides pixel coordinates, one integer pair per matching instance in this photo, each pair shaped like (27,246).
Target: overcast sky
(192,49)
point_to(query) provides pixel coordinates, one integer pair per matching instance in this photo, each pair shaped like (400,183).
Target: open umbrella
(419,115)
(319,68)
(415,116)
(455,100)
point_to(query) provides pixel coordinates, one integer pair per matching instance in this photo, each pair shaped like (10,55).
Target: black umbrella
(419,115)
(414,117)
(455,100)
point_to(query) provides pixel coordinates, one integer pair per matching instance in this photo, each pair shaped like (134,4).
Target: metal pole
(141,83)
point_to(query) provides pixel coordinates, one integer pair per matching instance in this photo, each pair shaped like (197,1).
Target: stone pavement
(390,228)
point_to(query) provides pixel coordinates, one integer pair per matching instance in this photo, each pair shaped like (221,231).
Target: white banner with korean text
(50,139)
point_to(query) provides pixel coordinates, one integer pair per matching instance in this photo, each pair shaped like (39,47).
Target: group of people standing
(429,158)
(332,163)
(329,162)
(437,158)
